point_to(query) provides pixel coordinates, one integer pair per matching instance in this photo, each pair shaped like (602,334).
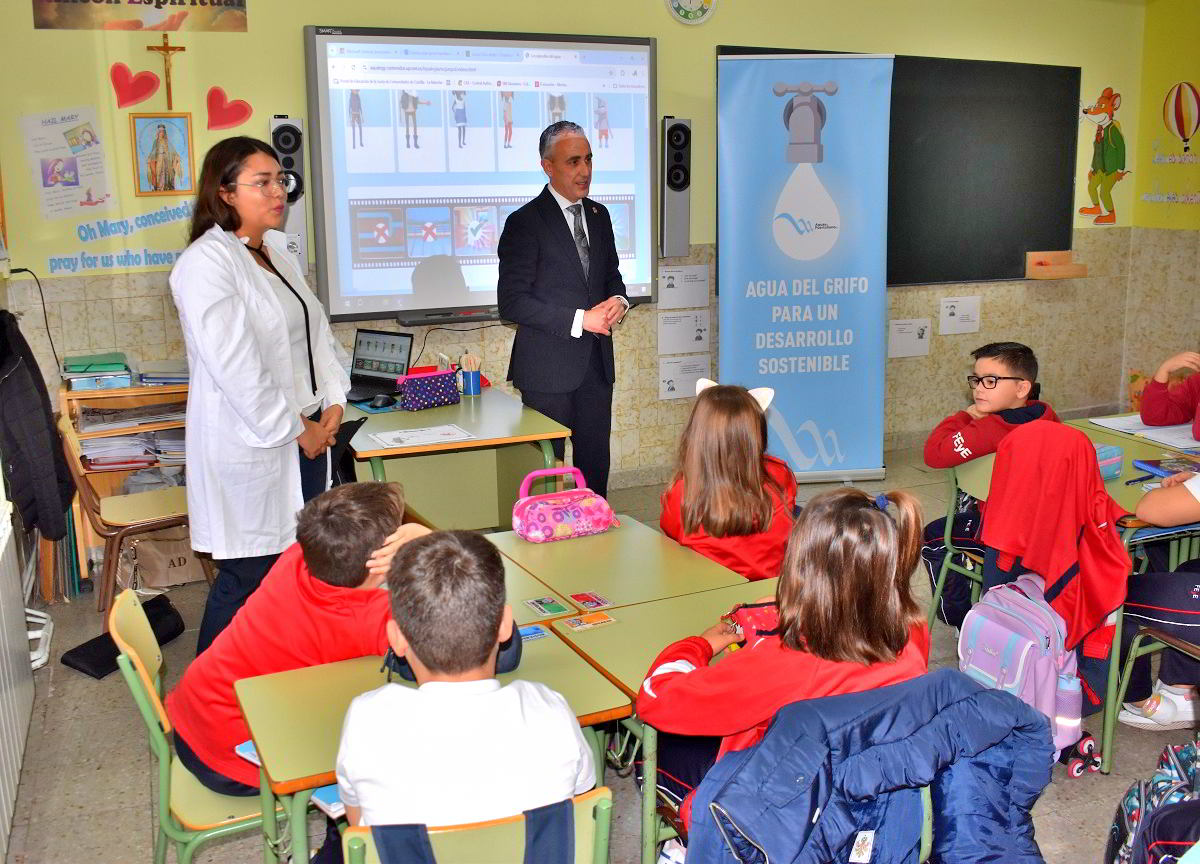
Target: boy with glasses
(1004,392)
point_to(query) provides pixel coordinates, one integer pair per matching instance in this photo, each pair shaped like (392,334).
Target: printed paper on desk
(683,287)
(546,606)
(683,332)
(677,376)
(909,337)
(422,437)
(959,315)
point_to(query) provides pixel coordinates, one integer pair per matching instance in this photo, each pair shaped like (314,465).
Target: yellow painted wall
(1169,57)
(45,70)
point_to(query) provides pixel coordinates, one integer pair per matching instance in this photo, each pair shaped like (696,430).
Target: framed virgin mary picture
(163,158)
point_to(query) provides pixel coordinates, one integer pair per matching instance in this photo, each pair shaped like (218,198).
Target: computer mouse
(383,400)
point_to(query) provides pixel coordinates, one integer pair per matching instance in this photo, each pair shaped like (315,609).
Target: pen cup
(469,382)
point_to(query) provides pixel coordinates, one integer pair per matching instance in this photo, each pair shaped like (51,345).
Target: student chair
(189,814)
(970,478)
(500,841)
(1183,544)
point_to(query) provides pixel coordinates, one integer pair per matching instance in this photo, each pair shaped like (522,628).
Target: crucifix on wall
(166,49)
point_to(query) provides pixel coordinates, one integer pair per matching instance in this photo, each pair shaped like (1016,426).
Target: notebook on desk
(380,357)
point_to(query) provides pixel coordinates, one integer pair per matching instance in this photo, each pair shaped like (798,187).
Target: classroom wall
(133,311)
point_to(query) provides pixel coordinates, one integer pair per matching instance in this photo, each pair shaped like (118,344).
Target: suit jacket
(541,285)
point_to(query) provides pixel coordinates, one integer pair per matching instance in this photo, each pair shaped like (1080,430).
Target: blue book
(329,801)
(1166,467)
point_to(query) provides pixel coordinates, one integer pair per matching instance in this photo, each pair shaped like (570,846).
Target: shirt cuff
(577,324)
(623,299)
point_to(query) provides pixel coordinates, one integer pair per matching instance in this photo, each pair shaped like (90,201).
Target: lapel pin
(594,210)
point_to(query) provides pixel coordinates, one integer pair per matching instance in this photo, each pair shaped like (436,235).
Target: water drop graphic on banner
(807,223)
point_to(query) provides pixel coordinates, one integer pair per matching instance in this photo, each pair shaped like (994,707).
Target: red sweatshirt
(1180,404)
(960,437)
(755,556)
(293,620)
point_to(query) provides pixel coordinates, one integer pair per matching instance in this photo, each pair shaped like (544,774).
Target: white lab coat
(243,418)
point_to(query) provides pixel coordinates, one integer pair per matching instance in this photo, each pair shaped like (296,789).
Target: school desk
(1088,427)
(295,720)
(520,586)
(460,484)
(624,650)
(630,564)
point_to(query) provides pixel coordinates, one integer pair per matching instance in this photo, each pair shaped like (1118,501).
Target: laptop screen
(381,355)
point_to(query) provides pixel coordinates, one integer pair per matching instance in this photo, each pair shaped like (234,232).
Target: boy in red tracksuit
(321,602)
(1003,389)
(1180,404)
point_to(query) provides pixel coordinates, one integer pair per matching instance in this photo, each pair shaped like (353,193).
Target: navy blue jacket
(831,771)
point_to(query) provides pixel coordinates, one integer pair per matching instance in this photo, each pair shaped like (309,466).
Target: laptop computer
(380,356)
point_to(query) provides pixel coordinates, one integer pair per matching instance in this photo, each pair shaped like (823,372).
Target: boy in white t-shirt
(460,747)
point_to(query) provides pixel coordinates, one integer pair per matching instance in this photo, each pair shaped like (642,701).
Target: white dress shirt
(302,392)
(563,204)
(446,753)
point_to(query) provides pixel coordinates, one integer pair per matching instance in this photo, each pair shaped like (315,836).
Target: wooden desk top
(493,418)
(295,717)
(630,564)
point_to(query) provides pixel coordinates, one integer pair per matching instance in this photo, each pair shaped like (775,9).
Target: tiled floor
(86,790)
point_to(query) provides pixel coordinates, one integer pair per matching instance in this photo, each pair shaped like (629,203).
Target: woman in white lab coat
(268,383)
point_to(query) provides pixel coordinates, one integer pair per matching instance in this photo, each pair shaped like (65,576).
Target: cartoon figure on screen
(163,165)
(603,132)
(409,103)
(506,106)
(356,119)
(807,222)
(556,105)
(1108,157)
(458,106)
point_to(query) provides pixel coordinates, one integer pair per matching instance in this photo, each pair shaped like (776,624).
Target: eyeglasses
(989,381)
(276,186)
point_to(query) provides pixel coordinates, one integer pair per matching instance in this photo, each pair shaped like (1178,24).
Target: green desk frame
(491,464)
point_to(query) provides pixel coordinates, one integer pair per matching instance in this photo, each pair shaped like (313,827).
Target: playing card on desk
(589,621)
(591,600)
(546,606)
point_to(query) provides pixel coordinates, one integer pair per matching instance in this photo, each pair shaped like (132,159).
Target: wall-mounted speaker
(287,137)
(675,195)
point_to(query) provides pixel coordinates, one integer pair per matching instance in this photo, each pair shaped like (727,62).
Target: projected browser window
(430,145)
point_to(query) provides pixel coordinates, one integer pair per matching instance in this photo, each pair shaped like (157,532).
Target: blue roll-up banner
(802,182)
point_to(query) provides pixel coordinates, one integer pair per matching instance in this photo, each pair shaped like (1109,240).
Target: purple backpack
(1012,640)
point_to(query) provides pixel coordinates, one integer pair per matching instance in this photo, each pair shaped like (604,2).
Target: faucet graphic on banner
(807,222)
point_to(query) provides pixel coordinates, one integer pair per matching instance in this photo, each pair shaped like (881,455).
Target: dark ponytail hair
(222,164)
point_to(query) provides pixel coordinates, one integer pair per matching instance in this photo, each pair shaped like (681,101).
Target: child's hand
(1177,479)
(381,559)
(974,412)
(720,636)
(1182,360)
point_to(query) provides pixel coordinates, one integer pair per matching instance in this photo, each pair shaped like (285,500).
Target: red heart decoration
(223,114)
(131,89)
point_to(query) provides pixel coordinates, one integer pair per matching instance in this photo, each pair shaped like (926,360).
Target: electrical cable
(45,317)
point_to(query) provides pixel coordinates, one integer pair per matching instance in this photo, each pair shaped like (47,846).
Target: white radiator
(16,676)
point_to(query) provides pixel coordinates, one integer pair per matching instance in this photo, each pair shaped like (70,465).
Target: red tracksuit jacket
(960,437)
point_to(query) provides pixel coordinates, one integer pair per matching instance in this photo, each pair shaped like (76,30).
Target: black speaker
(287,137)
(675,188)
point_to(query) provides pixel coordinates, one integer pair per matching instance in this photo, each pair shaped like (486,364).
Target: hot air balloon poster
(1181,112)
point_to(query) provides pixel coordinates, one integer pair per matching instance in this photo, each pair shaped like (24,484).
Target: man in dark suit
(560,282)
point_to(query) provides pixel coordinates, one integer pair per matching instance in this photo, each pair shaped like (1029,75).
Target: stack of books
(161,372)
(117,453)
(93,419)
(97,371)
(167,445)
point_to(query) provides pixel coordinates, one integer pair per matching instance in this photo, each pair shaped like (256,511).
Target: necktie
(581,241)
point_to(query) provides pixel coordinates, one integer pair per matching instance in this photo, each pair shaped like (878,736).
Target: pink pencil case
(560,515)
(421,390)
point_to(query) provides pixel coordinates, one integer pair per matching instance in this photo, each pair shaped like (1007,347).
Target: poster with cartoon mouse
(1108,157)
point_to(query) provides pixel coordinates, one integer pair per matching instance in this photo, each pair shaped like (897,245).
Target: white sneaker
(672,852)
(1168,707)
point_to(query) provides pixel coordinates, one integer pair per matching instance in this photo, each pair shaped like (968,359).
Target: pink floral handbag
(560,515)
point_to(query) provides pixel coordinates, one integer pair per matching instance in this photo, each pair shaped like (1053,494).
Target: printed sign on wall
(214,15)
